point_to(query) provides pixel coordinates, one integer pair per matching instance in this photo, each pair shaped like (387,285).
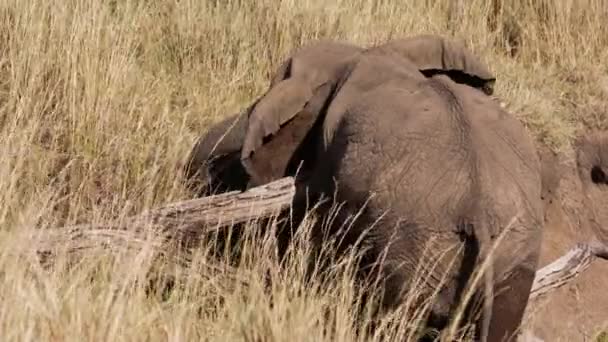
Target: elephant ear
(278,125)
(433,54)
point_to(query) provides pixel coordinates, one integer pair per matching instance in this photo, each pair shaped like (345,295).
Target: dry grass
(100,101)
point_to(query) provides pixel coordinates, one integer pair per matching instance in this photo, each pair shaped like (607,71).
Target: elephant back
(434,54)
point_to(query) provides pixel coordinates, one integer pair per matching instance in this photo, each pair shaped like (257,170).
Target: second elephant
(214,162)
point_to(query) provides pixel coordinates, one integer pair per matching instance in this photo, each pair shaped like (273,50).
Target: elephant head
(592,165)
(301,92)
(214,162)
(214,166)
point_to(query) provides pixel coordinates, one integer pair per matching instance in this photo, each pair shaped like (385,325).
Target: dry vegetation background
(100,101)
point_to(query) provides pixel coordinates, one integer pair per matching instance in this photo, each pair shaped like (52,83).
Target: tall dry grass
(100,101)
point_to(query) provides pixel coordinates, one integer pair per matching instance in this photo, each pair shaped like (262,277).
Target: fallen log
(189,219)
(183,222)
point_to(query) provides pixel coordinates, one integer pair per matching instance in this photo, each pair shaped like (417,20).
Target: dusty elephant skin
(592,166)
(429,158)
(576,210)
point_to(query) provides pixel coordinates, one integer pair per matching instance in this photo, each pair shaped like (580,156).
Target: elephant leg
(509,305)
(383,265)
(394,277)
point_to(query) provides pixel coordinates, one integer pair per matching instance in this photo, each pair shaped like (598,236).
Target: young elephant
(428,158)
(214,163)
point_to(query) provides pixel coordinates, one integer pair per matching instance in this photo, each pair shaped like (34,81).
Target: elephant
(213,165)
(416,154)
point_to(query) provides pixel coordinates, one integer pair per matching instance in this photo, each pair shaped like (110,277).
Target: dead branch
(184,221)
(567,267)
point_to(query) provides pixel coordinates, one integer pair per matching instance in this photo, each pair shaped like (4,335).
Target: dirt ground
(576,210)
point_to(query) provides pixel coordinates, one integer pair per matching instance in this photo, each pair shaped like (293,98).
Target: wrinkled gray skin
(429,157)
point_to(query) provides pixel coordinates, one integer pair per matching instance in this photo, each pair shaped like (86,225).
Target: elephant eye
(598,176)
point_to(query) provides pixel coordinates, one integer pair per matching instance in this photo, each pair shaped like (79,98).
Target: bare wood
(214,212)
(180,221)
(567,267)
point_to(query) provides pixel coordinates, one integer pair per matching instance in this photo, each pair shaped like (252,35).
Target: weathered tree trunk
(184,222)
